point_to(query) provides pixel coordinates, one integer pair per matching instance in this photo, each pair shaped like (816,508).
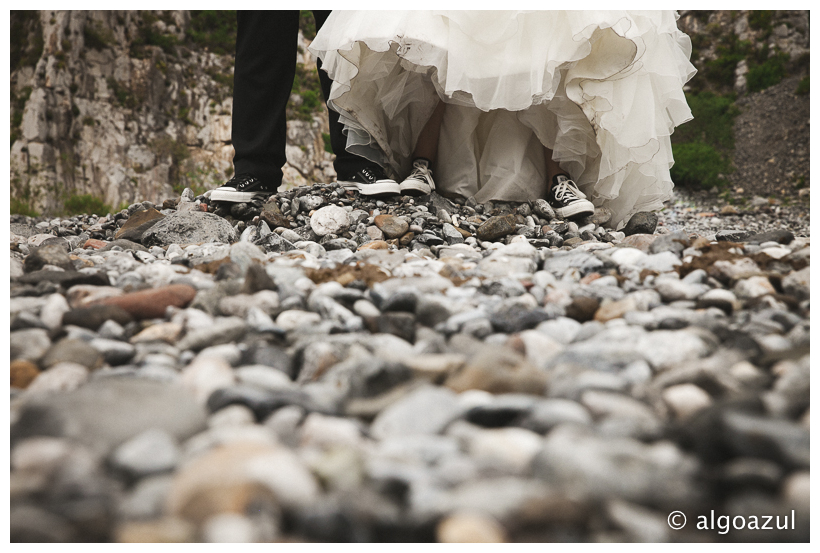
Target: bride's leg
(553,169)
(420,180)
(427,143)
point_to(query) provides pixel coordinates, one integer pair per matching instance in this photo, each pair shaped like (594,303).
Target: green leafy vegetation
(714,118)
(26,34)
(326,139)
(766,67)
(221,77)
(147,35)
(730,51)
(97,37)
(761,20)
(122,95)
(306,85)
(703,146)
(21,207)
(803,86)
(182,115)
(214,30)
(78,204)
(767,73)
(307,24)
(23,198)
(698,165)
(18,104)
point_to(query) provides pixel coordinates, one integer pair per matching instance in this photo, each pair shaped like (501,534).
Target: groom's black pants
(263,77)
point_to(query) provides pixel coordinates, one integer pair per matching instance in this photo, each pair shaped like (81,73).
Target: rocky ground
(324,368)
(771,155)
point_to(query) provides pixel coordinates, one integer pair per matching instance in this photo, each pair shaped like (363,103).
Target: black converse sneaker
(567,200)
(242,188)
(371,181)
(420,181)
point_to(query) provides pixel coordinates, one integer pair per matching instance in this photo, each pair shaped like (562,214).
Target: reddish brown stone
(94,244)
(582,309)
(22,373)
(406,239)
(590,277)
(374,245)
(392,227)
(151,304)
(464,232)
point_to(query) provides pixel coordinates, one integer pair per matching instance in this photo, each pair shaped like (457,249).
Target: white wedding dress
(602,89)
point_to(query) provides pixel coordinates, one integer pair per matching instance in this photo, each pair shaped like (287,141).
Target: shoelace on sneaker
(567,189)
(421,171)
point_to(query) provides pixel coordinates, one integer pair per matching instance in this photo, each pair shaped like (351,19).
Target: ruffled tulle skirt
(602,90)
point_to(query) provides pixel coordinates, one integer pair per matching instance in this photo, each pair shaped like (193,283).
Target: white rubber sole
(378,188)
(415,187)
(576,208)
(230,195)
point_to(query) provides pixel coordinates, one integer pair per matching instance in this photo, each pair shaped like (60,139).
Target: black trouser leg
(346,164)
(263,78)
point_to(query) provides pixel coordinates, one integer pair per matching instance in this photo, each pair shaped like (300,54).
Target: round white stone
(330,219)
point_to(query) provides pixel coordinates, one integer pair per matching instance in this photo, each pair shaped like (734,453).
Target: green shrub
(768,73)
(730,51)
(148,36)
(16,119)
(803,86)
(326,139)
(213,29)
(713,123)
(18,104)
(85,204)
(703,146)
(221,77)
(123,95)
(306,84)
(183,116)
(96,37)
(21,207)
(23,52)
(761,20)
(307,24)
(698,165)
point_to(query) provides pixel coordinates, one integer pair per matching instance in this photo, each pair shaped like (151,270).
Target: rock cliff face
(123,106)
